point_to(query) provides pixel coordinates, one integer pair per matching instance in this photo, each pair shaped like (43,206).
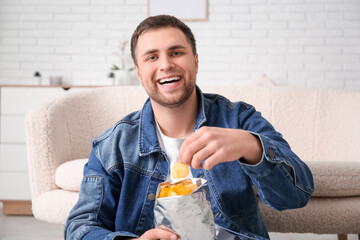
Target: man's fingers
(204,153)
(212,161)
(217,145)
(195,143)
(166,229)
(159,233)
(183,152)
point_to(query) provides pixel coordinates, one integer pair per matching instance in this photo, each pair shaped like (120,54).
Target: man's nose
(166,64)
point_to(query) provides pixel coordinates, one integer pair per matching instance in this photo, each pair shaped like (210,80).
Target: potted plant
(37,77)
(122,73)
(111,76)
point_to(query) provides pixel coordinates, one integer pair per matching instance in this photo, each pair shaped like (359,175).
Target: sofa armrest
(48,145)
(61,130)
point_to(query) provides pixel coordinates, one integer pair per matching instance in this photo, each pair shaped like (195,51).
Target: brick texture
(295,43)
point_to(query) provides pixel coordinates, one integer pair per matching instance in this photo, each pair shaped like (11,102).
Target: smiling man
(166,66)
(228,143)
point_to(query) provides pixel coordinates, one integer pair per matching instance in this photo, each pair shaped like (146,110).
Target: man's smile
(169,80)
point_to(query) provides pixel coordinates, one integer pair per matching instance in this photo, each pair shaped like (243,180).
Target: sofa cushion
(54,206)
(335,178)
(320,216)
(331,178)
(69,175)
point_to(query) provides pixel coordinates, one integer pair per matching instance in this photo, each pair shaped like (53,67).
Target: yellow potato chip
(180,170)
(172,193)
(164,192)
(184,187)
(191,187)
(180,189)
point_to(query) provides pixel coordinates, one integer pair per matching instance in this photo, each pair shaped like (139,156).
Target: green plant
(121,54)
(115,68)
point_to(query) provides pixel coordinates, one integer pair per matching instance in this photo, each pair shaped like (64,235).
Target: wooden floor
(28,228)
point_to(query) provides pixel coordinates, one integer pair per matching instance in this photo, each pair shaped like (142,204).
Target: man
(217,138)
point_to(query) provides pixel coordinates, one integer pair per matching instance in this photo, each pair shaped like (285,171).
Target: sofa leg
(342,237)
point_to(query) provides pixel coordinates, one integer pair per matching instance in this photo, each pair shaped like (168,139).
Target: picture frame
(186,10)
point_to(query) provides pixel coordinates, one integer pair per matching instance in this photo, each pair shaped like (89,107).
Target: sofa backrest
(319,124)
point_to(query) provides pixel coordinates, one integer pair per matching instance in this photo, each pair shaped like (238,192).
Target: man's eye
(151,58)
(176,53)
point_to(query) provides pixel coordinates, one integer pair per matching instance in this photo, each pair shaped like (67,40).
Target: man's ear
(196,57)
(137,72)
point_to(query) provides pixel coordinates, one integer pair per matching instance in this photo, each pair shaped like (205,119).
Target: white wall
(294,42)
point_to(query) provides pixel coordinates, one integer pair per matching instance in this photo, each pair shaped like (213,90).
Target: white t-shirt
(171,147)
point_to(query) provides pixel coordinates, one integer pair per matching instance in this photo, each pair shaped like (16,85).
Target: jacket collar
(148,142)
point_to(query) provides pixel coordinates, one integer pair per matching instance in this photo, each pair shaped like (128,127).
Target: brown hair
(161,21)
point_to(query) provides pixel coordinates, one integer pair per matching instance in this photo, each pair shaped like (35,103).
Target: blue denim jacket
(127,164)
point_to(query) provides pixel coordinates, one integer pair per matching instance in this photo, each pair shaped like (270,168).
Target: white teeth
(165,80)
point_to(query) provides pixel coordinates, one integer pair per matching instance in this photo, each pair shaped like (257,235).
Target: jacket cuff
(268,160)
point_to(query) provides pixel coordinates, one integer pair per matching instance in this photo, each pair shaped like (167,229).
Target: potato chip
(181,188)
(191,187)
(164,191)
(180,170)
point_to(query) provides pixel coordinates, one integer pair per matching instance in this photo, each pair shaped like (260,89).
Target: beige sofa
(321,125)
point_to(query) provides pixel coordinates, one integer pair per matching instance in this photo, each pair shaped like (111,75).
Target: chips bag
(184,206)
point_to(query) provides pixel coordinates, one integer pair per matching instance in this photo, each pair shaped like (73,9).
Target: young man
(228,144)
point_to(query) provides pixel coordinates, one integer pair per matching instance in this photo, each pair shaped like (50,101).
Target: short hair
(161,21)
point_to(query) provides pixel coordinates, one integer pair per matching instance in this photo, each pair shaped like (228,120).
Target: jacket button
(161,157)
(271,153)
(151,197)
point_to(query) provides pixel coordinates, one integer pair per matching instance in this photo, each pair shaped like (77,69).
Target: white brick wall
(297,42)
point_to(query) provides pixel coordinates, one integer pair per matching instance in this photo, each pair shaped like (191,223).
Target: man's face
(166,66)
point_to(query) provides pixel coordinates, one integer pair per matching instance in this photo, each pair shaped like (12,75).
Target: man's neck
(177,122)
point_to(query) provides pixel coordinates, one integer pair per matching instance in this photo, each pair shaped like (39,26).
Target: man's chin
(172,100)
(170,104)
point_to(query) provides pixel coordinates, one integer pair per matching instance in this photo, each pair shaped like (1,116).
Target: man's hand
(160,232)
(217,145)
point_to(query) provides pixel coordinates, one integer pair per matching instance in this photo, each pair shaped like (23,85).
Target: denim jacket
(126,165)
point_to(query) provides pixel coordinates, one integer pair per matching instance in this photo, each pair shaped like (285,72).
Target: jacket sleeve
(93,216)
(282,179)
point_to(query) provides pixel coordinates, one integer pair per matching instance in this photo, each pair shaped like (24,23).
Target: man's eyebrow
(176,47)
(151,51)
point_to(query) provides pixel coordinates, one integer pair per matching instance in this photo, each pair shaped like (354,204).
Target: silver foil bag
(189,216)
